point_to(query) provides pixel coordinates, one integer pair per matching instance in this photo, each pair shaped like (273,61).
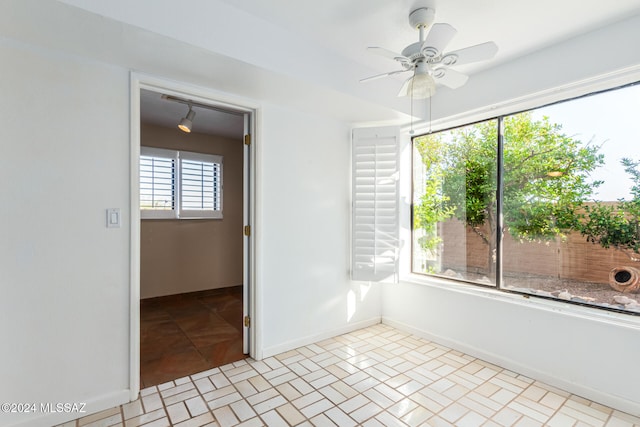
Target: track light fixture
(187,122)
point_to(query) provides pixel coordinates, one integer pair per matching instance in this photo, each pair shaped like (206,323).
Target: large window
(544,202)
(455,199)
(180,184)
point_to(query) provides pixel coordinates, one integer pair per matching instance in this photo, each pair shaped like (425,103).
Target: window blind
(180,184)
(199,185)
(375,222)
(157,183)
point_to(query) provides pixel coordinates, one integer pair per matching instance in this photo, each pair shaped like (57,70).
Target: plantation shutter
(375,222)
(200,185)
(157,182)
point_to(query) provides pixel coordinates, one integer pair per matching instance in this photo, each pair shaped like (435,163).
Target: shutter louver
(375,204)
(200,185)
(180,184)
(157,184)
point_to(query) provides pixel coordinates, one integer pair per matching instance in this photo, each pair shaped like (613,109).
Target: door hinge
(247,321)
(247,230)
(247,139)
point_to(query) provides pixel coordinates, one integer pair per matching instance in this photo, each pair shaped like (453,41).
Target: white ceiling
(347,28)
(304,54)
(517,26)
(157,110)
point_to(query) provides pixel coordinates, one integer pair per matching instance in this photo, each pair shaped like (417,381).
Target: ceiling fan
(427,59)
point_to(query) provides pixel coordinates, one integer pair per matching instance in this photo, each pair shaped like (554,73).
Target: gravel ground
(599,292)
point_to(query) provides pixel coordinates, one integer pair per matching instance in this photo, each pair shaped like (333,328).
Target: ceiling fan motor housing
(422,17)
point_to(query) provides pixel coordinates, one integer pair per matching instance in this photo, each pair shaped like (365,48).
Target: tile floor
(377,376)
(188,333)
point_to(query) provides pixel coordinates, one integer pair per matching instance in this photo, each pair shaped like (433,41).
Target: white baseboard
(310,339)
(610,400)
(91,406)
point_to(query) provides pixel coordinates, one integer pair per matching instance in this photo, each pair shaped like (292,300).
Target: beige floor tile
(291,414)
(307,400)
(253,422)
(373,377)
(552,400)
(534,393)
(332,394)
(198,421)
(561,420)
(438,422)
(146,418)
(340,418)
(453,412)
(322,420)
(389,420)
(367,411)
(417,416)
(178,412)
(196,406)
(132,409)
(270,404)
(273,419)
(242,410)
(528,422)
(471,419)
(602,413)
(402,408)
(506,417)
(162,422)
(475,406)
(316,408)
(354,403)
(98,416)
(225,416)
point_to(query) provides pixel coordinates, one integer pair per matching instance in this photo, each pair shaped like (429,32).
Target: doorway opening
(193,248)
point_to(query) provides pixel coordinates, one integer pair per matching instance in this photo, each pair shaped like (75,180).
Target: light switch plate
(113,218)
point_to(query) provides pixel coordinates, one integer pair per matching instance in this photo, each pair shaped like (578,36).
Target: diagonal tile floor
(188,333)
(377,376)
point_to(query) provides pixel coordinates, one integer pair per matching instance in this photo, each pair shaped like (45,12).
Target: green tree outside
(546,181)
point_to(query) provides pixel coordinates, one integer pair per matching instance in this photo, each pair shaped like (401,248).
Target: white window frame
(177,212)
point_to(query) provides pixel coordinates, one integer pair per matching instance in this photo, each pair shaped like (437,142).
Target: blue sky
(611,119)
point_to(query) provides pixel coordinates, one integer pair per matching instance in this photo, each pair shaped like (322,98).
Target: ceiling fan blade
(379,76)
(479,52)
(387,53)
(449,78)
(404,90)
(438,38)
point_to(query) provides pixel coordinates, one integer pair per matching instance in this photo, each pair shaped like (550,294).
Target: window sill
(628,319)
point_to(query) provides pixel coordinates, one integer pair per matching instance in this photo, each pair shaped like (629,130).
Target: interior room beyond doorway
(191,248)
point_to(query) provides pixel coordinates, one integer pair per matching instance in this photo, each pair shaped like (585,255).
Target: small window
(180,184)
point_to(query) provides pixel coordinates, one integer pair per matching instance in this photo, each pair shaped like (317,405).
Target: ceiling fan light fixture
(421,85)
(186,123)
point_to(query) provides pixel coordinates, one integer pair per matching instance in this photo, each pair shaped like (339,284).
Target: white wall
(64,276)
(593,356)
(304,232)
